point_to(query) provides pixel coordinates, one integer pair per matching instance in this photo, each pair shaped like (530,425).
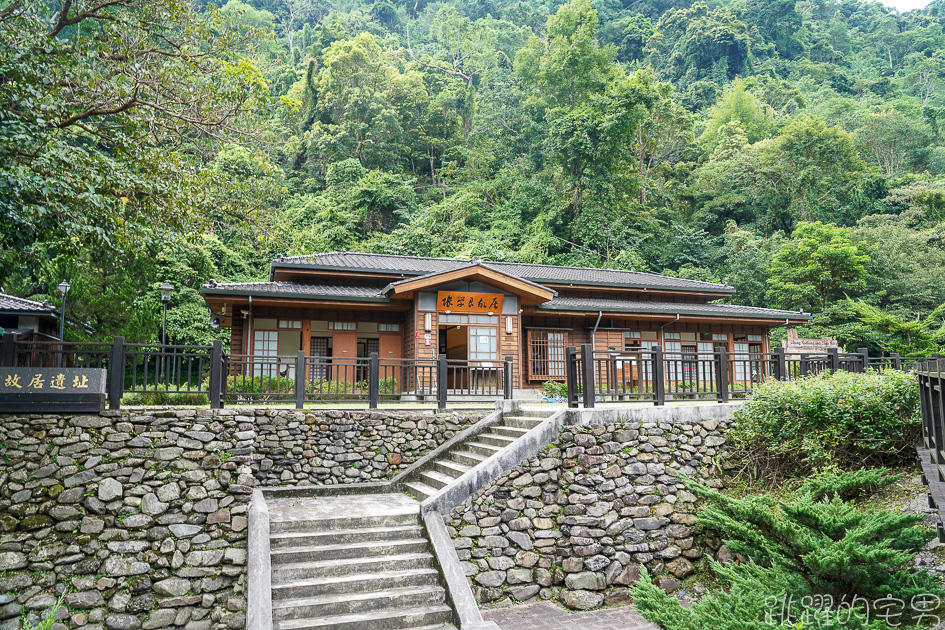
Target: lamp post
(166,289)
(63,288)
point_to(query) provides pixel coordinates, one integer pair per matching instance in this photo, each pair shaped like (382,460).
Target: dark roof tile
(9,303)
(294,288)
(418,265)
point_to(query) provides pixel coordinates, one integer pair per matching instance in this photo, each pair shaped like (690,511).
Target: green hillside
(792,149)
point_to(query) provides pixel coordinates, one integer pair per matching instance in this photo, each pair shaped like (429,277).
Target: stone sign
(795,345)
(42,390)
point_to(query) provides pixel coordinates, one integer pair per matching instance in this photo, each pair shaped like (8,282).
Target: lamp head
(166,289)
(63,288)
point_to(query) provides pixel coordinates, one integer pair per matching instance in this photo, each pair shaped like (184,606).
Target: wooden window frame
(536,342)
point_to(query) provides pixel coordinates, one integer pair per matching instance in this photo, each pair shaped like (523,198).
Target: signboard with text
(40,390)
(465,302)
(797,345)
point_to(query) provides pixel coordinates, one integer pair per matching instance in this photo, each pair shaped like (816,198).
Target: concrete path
(548,616)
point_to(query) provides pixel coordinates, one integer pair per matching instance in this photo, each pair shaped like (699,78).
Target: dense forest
(794,149)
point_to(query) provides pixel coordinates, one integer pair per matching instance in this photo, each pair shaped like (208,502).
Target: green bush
(159,396)
(843,419)
(262,388)
(554,389)
(324,389)
(816,543)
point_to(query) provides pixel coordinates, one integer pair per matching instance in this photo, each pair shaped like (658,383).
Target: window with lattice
(546,360)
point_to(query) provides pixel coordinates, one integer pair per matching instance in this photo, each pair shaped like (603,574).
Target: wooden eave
(666,317)
(530,293)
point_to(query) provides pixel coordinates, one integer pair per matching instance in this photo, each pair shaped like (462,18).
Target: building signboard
(41,390)
(465,302)
(795,345)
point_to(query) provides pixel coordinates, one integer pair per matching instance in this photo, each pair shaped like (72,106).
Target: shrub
(324,389)
(261,388)
(843,419)
(159,396)
(554,389)
(815,544)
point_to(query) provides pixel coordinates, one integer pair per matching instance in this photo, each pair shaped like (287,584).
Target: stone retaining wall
(578,521)
(138,520)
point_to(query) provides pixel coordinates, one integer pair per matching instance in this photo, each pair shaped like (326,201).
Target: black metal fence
(207,374)
(657,376)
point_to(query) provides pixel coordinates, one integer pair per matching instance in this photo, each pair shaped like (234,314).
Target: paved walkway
(548,616)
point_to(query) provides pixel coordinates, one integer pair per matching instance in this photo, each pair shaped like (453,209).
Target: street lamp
(63,288)
(166,290)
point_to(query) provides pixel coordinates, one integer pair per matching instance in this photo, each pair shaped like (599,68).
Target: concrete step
(358,583)
(481,448)
(296,571)
(494,439)
(513,432)
(348,550)
(436,479)
(379,620)
(337,522)
(531,412)
(348,603)
(420,490)
(286,540)
(467,458)
(521,422)
(451,468)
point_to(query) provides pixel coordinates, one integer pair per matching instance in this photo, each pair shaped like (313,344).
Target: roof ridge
(380,254)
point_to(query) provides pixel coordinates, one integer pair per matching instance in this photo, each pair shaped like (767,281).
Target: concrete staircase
(353,563)
(428,480)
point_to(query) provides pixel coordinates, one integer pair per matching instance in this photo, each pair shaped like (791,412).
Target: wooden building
(27,319)
(348,304)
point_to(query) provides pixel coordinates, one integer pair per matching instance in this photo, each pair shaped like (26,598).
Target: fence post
(374,380)
(8,350)
(300,380)
(441,382)
(864,358)
(779,365)
(805,364)
(508,377)
(834,355)
(659,377)
(116,373)
(722,367)
(590,394)
(896,363)
(570,375)
(217,378)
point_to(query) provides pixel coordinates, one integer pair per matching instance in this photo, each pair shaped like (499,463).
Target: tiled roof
(9,303)
(294,288)
(418,265)
(669,308)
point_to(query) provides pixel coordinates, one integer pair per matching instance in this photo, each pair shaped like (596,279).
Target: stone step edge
(342,546)
(336,620)
(356,577)
(320,564)
(347,532)
(325,599)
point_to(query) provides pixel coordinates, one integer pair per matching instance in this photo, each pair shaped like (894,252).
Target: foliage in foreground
(845,419)
(815,543)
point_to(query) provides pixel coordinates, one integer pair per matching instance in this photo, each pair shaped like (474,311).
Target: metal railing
(657,376)
(206,374)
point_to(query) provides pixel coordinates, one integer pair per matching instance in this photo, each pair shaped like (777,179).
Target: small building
(29,320)
(343,305)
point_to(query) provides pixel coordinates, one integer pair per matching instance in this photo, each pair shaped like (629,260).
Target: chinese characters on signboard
(463,302)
